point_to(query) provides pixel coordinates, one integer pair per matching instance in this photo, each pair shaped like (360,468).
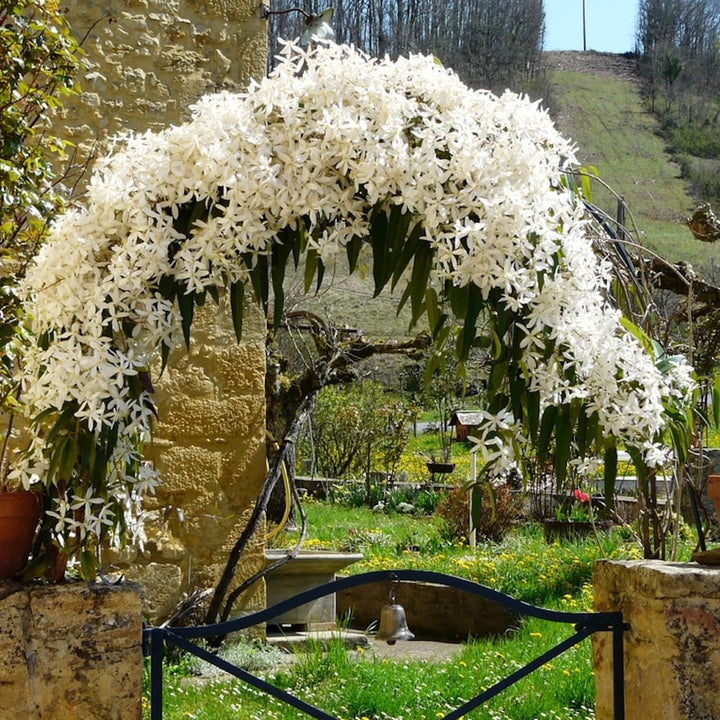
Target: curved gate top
(585,624)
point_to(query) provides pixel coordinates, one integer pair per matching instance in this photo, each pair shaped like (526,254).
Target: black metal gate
(155,639)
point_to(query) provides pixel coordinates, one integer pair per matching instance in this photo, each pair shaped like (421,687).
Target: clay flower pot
(19,515)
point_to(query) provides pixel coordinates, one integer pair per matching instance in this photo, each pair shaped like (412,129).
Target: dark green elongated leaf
(352,250)
(279,258)
(167,287)
(476,502)
(237,307)
(581,433)
(186,305)
(547,426)
(379,226)
(312,259)
(459,297)
(532,408)
(88,564)
(214,293)
(259,278)
(679,441)
(433,307)
(716,400)
(164,355)
(610,473)
(65,419)
(407,252)
(475,305)
(69,458)
(518,390)
(88,451)
(299,241)
(496,378)
(419,282)
(563,440)
(640,469)
(58,453)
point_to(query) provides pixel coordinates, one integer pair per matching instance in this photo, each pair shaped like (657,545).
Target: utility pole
(584,33)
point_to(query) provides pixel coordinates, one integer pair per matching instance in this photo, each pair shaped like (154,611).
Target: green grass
(605,117)
(363,685)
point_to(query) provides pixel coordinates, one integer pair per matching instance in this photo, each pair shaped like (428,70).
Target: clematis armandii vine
(315,152)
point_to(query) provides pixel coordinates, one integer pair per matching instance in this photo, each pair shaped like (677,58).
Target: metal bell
(393,625)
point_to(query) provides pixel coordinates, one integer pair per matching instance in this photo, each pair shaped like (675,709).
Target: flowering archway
(458,195)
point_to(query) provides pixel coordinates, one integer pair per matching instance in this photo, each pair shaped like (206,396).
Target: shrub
(498,513)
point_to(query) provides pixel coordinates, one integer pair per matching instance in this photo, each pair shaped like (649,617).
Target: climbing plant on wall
(454,196)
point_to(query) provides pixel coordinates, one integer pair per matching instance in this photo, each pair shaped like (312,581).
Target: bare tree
(490,44)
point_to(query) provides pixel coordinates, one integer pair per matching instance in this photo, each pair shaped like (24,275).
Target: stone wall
(209,446)
(70,652)
(148,61)
(672,649)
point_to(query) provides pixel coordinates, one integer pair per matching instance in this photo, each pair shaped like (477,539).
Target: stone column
(672,649)
(70,652)
(209,447)
(148,61)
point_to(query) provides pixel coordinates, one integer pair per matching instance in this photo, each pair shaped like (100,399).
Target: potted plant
(45,62)
(574,517)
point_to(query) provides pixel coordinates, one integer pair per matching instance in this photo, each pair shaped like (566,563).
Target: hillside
(595,100)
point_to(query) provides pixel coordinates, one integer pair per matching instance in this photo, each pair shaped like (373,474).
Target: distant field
(606,119)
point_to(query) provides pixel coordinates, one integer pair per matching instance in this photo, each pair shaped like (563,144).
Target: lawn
(357,685)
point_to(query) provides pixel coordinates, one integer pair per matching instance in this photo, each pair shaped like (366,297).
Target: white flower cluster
(327,138)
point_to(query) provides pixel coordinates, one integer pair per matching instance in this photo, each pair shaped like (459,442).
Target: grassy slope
(606,119)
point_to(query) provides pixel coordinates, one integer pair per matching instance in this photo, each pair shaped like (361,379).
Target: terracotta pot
(19,515)
(713,491)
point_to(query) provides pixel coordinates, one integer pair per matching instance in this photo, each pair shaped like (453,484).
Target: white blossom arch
(453,189)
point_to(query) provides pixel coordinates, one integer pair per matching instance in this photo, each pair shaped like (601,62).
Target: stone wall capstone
(672,647)
(70,652)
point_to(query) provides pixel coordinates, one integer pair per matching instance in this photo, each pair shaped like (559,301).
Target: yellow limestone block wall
(148,61)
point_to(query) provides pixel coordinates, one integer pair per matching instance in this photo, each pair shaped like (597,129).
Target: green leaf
(88,565)
(610,473)
(237,307)
(186,305)
(547,425)
(312,260)
(259,278)
(532,408)
(388,230)
(419,282)
(279,258)
(407,252)
(563,441)
(352,250)
(716,400)
(475,305)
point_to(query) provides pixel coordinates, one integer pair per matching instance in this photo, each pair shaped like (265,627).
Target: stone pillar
(148,61)
(209,446)
(672,649)
(70,652)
